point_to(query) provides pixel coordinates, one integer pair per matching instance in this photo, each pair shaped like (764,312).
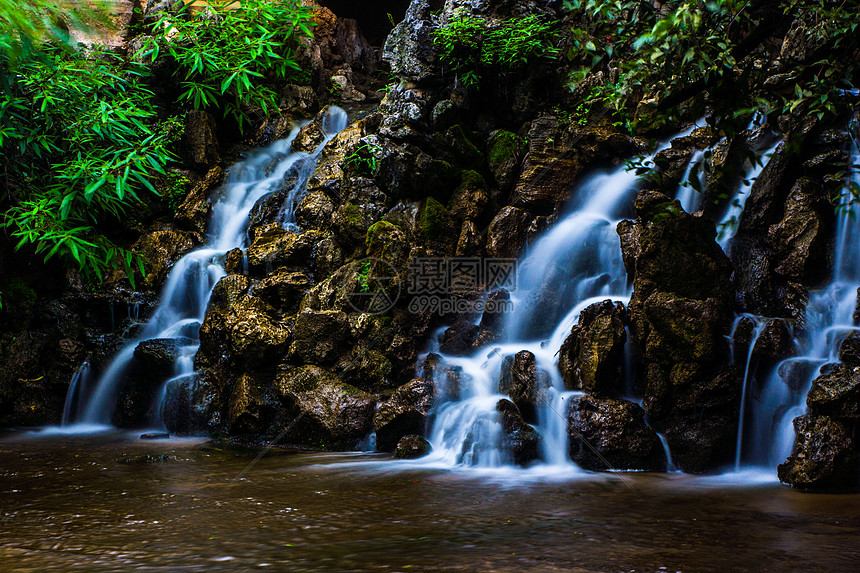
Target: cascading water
(186,293)
(688,196)
(768,436)
(576,263)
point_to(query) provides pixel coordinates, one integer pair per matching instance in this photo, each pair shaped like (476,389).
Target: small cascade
(689,194)
(728,224)
(186,293)
(77,387)
(758,327)
(576,263)
(830,317)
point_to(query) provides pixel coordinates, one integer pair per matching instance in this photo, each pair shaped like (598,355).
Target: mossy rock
(434,220)
(463,148)
(502,146)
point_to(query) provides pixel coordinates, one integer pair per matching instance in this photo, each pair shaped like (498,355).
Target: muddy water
(115,503)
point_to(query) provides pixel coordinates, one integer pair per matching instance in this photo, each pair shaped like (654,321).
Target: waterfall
(185,296)
(689,195)
(769,435)
(576,263)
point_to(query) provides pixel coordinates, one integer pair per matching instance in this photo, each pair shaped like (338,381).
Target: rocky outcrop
(680,314)
(607,434)
(411,447)
(591,358)
(525,384)
(404,413)
(825,456)
(519,439)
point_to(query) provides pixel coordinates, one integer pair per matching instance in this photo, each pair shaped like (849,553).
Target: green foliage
(26,24)
(363,160)
(472,46)
(713,55)
(79,141)
(230,57)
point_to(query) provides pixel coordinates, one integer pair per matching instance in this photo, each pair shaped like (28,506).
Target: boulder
(199,144)
(607,434)
(274,247)
(283,289)
(156,358)
(775,342)
(524,383)
(592,356)
(506,235)
(520,440)
(404,413)
(320,337)
(160,250)
(836,393)
(409,50)
(324,412)
(411,447)
(825,456)
(849,350)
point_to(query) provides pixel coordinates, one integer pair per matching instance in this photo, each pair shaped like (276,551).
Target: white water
(575,263)
(186,293)
(728,225)
(688,196)
(769,437)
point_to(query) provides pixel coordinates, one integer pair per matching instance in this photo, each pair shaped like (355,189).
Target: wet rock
(156,358)
(775,342)
(519,438)
(160,250)
(273,247)
(680,315)
(200,141)
(155,436)
(459,339)
(193,405)
(742,338)
(606,434)
(404,413)
(325,412)
(412,447)
(320,336)
(796,373)
(283,289)
(592,356)
(234,261)
(503,152)
(299,98)
(836,393)
(507,233)
(470,198)
(524,383)
(409,50)
(252,407)
(799,240)
(825,456)
(849,350)
(194,212)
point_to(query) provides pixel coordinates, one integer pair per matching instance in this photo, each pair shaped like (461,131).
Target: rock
(160,250)
(799,240)
(404,413)
(409,50)
(299,98)
(234,261)
(194,212)
(470,198)
(320,337)
(681,312)
(193,405)
(252,408)
(200,141)
(520,439)
(775,342)
(592,356)
(155,436)
(524,383)
(412,447)
(825,456)
(273,247)
(459,339)
(849,350)
(157,357)
(283,289)
(326,412)
(836,393)
(606,434)
(503,152)
(797,372)
(506,235)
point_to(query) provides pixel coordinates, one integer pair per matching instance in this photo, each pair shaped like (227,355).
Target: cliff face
(437,169)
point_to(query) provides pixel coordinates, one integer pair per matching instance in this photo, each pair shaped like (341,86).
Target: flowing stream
(766,434)
(186,293)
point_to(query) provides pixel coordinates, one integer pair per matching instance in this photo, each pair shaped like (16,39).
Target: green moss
(434,219)
(503,145)
(438,179)
(352,213)
(377,231)
(470,179)
(465,149)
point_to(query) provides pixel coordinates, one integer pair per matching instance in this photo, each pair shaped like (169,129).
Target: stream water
(114,503)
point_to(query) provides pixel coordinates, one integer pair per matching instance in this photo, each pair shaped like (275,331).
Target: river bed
(113,502)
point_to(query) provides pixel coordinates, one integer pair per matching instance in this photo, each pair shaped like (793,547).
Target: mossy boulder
(503,151)
(470,198)
(404,413)
(525,384)
(825,456)
(592,356)
(320,337)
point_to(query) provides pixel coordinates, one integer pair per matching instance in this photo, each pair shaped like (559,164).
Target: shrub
(230,57)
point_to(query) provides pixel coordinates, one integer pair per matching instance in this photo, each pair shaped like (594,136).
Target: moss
(470,180)
(17,296)
(466,151)
(352,214)
(434,219)
(503,145)
(438,179)
(377,232)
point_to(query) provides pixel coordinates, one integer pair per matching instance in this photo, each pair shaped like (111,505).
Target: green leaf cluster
(80,140)
(232,56)
(473,46)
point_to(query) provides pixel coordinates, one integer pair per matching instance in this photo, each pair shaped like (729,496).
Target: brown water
(99,503)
